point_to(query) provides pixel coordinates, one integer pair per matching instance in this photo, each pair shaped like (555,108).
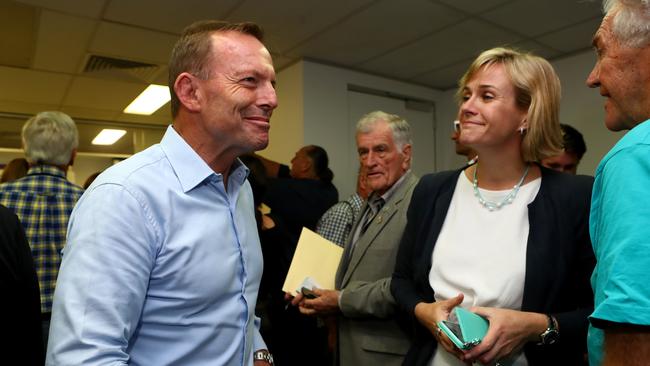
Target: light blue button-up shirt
(162,266)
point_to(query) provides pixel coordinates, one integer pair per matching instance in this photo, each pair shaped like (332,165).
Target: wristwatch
(263,355)
(551,334)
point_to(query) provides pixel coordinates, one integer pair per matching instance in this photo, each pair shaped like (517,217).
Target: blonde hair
(537,89)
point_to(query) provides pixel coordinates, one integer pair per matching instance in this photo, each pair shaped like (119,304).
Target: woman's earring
(521,130)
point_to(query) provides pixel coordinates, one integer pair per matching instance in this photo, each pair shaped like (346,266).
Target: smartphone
(464,328)
(307,293)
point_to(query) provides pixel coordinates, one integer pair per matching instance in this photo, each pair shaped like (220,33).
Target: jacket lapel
(376,227)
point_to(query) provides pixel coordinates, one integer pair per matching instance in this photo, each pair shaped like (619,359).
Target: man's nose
(593,80)
(268,99)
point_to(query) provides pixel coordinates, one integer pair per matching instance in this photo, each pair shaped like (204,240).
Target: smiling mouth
(258,119)
(471,123)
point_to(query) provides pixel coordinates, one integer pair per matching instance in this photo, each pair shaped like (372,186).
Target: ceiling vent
(121,69)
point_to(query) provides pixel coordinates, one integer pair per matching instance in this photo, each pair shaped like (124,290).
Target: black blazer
(559,262)
(20,303)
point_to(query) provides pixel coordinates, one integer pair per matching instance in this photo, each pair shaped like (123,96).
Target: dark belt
(46,316)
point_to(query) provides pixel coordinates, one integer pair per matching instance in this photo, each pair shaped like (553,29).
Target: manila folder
(315,257)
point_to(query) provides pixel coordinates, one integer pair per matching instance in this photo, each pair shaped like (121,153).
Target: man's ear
(308,166)
(187,90)
(73,155)
(406,151)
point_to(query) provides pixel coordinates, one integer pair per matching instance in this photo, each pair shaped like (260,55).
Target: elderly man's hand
(326,302)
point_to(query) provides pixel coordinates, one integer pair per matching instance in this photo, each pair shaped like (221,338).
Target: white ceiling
(46,43)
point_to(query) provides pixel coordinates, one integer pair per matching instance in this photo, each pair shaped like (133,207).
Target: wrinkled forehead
(379,132)
(232,43)
(603,29)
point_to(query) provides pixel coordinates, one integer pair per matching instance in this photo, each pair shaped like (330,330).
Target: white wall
(582,108)
(326,113)
(85,166)
(448,111)
(286,135)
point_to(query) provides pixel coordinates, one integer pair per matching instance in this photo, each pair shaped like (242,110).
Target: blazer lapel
(345,258)
(376,227)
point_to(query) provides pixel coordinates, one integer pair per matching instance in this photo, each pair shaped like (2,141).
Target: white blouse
(482,253)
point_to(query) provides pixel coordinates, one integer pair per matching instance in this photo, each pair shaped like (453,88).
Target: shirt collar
(46,169)
(189,167)
(391,191)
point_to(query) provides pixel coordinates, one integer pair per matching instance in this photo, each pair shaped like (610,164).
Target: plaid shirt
(336,223)
(43,200)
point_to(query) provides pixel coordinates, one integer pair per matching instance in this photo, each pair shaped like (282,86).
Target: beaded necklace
(506,200)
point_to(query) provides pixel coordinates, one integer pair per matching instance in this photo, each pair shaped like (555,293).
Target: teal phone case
(467,331)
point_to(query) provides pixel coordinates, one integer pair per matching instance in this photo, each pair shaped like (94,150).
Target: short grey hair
(398,125)
(50,138)
(631,21)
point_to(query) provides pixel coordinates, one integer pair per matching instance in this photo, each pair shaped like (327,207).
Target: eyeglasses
(457,126)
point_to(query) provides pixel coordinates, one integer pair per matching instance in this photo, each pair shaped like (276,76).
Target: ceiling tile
(281,62)
(372,36)
(394,39)
(17,25)
(537,49)
(459,42)
(534,17)
(25,108)
(288,23)
(444,78)
(573,38)
(184,12)
(32,86)
(89,113)
(61,42)
(162,77)
(101,94)
(87,8)
(162,117)
(134,44)
(473,6)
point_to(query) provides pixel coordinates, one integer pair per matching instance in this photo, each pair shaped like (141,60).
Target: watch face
(263,356)
(550,336)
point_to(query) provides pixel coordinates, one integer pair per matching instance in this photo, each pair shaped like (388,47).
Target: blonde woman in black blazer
(536,285)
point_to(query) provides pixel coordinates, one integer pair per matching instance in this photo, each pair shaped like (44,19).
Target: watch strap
(550,335)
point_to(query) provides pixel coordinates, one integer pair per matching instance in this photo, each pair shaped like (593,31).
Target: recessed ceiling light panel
(108,137)
(149,101)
